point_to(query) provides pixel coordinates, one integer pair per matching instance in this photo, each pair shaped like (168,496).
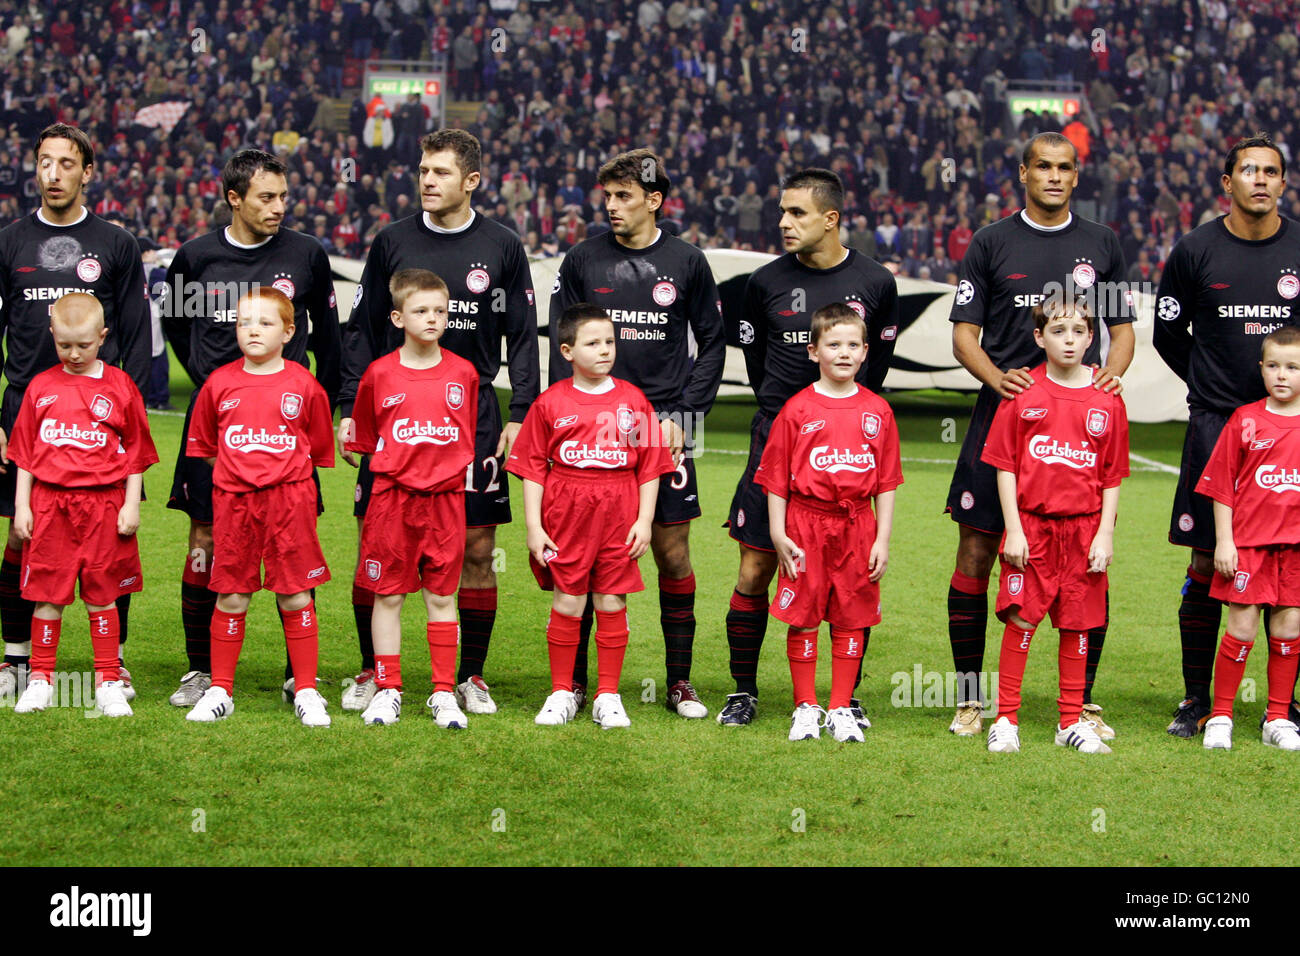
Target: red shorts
(1268,575)
(834,585)
(412,540)
(1056,581)
(275,525)
(589,517)
(75,539)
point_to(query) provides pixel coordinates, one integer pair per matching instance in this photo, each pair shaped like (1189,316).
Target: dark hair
(1286,335)
(639,166)
(574,317)
(826,187)
(1258,141)
(463,144)
(1047,139)
(243,166)
(1054,308)
(829,316)
(406,281)
(64,131)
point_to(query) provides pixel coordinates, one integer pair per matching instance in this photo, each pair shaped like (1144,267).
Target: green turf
(260,789)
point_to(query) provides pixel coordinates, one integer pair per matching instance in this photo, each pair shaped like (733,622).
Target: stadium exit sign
(1061,106)
(400,86)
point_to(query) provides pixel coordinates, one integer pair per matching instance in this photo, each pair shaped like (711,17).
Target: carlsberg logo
(1271,478)
(54,432)
(246,439)
(578,455)
(1047,449)
(825,458)
(424,433)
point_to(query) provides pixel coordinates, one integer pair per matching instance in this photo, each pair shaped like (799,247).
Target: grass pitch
(260,789)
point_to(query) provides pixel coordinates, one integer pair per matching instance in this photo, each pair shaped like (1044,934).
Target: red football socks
(611,648)
(1229,666)
(227,640)
(301,641)
(45,646)
(1282,666)
(388,671)
(801,649)
(1072,666)
(105,632)
(1011,670)
(444,637)
(562,633)
(846,657)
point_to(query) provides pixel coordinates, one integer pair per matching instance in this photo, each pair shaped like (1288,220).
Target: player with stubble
(60,248)
(659,291)
(204,283)
(780,298)
(1227,284)
(490,299)
(1011,266)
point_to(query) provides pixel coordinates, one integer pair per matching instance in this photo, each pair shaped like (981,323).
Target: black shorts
(679,496)
(9,405)
(747,518)
(1192,521)
(192,479)
(487,495)
(973,494)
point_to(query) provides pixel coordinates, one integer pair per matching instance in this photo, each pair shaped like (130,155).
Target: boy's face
(1281,368)
(77,343)
(592,351)
(259,331)
(1065,338)
(839,352)
(423,316)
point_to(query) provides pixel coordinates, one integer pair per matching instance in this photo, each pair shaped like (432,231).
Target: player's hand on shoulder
(1107,380)
(128,520)
(23,523)
(1225,558)
(878,561)
(1013,382)
(1015,550)
(1101,553)
(790,556)
(346,434)
(508,435)
(638,539)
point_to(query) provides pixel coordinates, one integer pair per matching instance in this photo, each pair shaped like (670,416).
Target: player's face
(259,331)
(1050,178)
(592,351)
(1281,368)
(60,174)
(423,316)
(1256,182)
(443,189)
(261,210)
(803,224)
(840,352)
(77,344)
(631,210)
(1065,339)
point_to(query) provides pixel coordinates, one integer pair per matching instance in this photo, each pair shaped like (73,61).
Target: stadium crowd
(906,101)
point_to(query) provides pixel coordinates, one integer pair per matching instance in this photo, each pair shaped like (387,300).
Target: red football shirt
(1255,469)
(1064,446)
(82,431)
(263,429)
(832,449)
(417,424)
(578,431)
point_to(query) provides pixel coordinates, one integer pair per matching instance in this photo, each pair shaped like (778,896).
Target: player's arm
(23,505)
(134,332)
(880,342)
(363,335)
(567,291)
(879,559)
(325,339)
(1175,305)
(176,327)
(522,357)
(755,352)
(966,349)
(1225,548)
(1122,339)
(788,554)
(128,518)
(1015,549)
(638,538)
(705,317)
(538,540)
(970,308)
(1102,550)
(357,433)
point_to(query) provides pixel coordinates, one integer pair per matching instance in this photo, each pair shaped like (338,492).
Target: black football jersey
(780,298)
(658,297)
(490,298)
(40,263)
(1219,296)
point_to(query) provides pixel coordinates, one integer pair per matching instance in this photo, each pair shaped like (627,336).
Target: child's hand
(638,539)
(538,542)
(345,435)
(4,451)
(1225,557)
(1100,553)
(878,561)
(790,556)
(1015,550)
(23,523)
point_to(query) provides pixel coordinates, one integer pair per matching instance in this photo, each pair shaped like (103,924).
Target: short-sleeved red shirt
(1255,470)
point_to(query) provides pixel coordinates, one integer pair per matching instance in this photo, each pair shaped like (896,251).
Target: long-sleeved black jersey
(39,263)
(657,296)
(209,274)
(1218,297)
(780,298)
(491,297)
